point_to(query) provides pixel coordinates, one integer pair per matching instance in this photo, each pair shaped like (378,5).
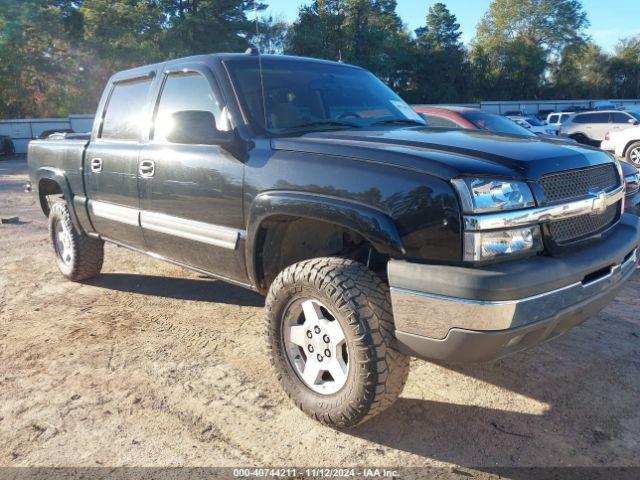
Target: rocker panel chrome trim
(215,235)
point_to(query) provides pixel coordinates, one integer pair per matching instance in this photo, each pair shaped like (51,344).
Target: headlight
(480,246)
(480,195)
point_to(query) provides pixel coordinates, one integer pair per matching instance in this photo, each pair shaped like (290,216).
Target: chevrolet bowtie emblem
(599,203)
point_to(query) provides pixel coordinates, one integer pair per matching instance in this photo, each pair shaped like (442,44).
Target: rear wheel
(331,338)
(633,154)
(79,257)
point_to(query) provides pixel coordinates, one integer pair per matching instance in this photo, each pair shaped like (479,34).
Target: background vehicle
(6,145)
(625,144)
(373,237)
(474,119)
(603,105)
(543,114)
(558,118)
(47,133)
(590,128)
(535,125)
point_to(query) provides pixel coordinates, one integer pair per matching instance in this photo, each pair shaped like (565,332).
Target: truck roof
(144,70)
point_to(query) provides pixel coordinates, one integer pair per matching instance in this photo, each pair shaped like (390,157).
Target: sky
(609,19)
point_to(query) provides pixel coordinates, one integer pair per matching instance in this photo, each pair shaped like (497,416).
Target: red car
(470,118)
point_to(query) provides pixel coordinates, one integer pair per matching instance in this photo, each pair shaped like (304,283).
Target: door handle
(96,165)
(147,168)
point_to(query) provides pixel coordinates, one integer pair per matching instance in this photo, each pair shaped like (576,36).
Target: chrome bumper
(457,330)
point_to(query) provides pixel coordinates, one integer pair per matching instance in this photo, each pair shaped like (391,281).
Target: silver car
(590,128)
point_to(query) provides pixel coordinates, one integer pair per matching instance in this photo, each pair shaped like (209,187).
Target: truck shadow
(198,290)
(572,401)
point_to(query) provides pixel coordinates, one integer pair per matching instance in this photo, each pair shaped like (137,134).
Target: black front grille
(574,184)
(577,228)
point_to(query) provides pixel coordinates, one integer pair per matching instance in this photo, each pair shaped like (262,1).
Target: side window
(619,117)
(553,119)
(584,118)
(600,118)
(438,121)
(125,110)
(186,91)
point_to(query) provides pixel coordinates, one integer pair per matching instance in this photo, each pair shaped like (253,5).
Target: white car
(536,126)
(624,143)
(558,117)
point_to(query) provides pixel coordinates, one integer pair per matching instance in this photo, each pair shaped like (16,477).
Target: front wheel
(79,257)
(330,333)
(633,154)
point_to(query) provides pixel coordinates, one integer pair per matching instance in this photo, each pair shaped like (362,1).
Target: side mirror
(197,127)
(633,121)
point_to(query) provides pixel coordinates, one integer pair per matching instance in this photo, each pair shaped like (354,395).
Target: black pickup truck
(373,237)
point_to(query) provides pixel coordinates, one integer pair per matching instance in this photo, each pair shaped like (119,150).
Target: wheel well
(626,147)
(47,187)
(282,241)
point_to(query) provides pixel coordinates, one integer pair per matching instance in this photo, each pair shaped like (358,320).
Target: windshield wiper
(323,123)
(402,121)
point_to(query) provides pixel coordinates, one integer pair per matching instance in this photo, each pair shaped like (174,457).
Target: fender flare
(58,176)
(374,225)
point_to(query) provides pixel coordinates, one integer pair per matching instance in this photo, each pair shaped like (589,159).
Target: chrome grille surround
(576,184)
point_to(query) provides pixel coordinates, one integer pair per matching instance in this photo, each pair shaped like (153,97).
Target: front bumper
(632,204)
(458,314)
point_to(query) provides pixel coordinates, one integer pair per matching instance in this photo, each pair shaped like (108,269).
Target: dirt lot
(153,365)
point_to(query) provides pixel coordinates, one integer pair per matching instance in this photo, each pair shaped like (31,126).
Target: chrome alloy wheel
(634,156)
(316,346)
(62,242)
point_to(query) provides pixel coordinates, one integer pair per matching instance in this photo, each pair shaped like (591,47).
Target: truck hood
(449,153)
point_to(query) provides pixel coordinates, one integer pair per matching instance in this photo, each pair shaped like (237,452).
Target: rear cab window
(125,110)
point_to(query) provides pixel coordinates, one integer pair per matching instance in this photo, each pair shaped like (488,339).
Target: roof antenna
(253,50)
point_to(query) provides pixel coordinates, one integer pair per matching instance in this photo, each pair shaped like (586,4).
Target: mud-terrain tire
(79,257)
(346,292)
(633,154)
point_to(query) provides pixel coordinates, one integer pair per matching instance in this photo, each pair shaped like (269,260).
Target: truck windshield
(302,96)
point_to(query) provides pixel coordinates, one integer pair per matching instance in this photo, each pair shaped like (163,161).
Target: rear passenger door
(598,125)
(621,121)
(191,195)
(111,163)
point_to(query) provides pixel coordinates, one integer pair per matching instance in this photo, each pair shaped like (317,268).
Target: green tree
(368,33)
(440,61)
(271,35)
(37,70)
(625,69)
(550,25)
(520,41)
(582,72)
(207,26)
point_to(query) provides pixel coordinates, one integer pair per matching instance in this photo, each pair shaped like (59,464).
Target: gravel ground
(153,365)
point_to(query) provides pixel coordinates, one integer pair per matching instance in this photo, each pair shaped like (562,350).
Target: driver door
(191,194)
